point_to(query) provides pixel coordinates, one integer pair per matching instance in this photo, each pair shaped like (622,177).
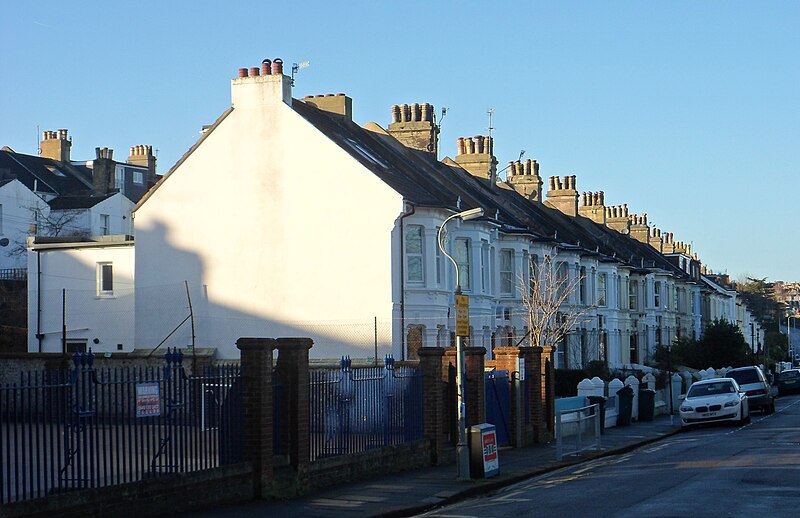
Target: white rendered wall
(19,205)
(109,319)
(276,230)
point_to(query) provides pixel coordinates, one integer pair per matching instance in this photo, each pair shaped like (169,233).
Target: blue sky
(688,111)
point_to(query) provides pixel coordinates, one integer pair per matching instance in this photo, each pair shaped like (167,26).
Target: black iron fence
(88,427)
(354,409)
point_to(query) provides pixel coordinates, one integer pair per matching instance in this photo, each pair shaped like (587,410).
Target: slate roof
(44,174)
(70,201)
(426,182)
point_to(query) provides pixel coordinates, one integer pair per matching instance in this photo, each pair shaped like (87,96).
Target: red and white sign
(491,464)
(148,400)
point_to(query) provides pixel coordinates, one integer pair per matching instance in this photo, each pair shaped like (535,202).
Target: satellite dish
(4,241)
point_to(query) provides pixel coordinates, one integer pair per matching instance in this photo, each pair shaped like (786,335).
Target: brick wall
(178,493)
(348,468)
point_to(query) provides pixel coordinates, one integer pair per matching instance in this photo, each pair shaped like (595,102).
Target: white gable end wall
(278,232)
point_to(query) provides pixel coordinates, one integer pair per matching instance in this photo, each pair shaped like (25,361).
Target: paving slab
(416,491)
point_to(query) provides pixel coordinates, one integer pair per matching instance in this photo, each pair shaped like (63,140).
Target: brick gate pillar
(543,393)
(476,391)
(291,369)
(435,415)
(256,356)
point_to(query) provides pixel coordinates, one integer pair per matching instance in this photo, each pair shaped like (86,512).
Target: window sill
(105,296)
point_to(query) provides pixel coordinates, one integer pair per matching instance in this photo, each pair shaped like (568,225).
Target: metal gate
(498,404)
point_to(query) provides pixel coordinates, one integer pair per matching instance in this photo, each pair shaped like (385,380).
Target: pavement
(413,492)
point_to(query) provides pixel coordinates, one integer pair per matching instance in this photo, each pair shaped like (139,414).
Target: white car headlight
(686,408)
(729,404)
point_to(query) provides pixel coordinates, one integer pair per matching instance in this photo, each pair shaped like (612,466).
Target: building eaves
(42,243)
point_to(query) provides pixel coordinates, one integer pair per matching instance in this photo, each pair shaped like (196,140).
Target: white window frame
(412,230)
(138,178)
(484,266)
(582,285)
(657,294)
(439,263)
(462,262)
(602,289)
(102,289)
(507,272)
(119,178)
(105,224)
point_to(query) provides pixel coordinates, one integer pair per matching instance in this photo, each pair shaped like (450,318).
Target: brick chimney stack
(617,218)
(639,229)
(525,179)
(103,167)
(654,239)
(337,104)
(476,155)
(414,126)
(593,207)
(563,195)
(143,156)
(667,243)
(56,145)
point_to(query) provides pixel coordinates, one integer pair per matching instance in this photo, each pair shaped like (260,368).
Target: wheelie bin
(625,397)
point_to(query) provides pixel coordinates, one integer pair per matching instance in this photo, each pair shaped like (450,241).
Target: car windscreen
(789,375)
(711,389)
(745,376)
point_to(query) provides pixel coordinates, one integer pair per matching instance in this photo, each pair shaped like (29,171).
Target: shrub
(567,381)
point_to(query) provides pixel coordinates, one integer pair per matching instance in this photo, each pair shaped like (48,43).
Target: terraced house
(287,218)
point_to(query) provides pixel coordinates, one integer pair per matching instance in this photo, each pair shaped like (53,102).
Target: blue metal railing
(88,427)
(354,409)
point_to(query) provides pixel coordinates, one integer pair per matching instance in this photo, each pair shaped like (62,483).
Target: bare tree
(49,223)
(547,298)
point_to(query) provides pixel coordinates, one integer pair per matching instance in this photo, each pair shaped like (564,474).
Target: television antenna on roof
(296,67)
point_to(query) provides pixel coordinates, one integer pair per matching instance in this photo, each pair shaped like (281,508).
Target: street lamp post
(462,452)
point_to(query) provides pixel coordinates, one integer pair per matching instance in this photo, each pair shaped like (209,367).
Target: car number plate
(709,414)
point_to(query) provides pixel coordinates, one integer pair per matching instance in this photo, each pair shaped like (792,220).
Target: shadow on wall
(163,309)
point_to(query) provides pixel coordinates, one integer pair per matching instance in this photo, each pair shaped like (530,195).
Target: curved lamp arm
(441,247)
(465,216)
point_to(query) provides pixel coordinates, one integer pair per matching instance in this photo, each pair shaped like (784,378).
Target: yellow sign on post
(462,315)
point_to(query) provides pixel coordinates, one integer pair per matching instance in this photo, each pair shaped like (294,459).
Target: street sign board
(148,401)
(462,315)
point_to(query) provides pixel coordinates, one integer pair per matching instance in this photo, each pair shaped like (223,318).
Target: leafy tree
(758,294)
(776,346)
(722,345)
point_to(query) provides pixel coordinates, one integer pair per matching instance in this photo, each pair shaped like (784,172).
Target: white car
(714,400)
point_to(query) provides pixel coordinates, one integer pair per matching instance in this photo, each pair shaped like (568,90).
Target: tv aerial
(297,67)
